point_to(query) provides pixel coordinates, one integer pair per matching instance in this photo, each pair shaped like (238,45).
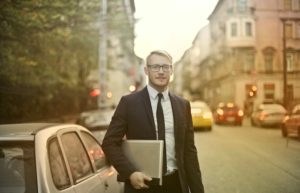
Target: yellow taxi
(201,115)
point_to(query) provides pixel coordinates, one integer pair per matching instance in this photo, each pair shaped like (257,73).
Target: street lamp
(102,60)
(284,64)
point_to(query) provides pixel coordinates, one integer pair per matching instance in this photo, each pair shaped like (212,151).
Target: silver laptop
(147,156)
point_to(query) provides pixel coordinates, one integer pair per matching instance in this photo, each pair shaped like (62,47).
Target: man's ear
(171,72)
(146,70)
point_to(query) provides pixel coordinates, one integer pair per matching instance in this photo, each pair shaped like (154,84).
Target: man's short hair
(161,53)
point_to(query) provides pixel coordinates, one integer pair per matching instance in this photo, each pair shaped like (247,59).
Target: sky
(170,25)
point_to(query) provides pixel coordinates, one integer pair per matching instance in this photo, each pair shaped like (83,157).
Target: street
(247,159)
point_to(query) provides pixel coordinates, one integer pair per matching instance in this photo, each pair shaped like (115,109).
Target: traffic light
(251,91)
(95,92)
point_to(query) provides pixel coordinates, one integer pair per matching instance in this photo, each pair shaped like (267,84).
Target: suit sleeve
(113,139)
(192,167)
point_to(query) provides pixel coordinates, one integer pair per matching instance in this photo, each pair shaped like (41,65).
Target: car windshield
(230,108)
(17,167)
(198,107)
(227,106)
(273,107)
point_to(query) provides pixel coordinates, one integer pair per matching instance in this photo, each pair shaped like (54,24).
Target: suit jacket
(133,118)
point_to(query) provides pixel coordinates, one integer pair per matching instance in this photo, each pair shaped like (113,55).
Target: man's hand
(138,179)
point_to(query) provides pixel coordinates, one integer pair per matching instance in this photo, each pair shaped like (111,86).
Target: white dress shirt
(169,124)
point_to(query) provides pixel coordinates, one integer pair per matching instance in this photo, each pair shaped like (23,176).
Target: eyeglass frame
(157,67)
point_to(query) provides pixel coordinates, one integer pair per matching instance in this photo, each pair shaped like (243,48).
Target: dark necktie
(161,129)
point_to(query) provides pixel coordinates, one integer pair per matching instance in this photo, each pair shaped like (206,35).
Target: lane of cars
(264,115)
(50,158)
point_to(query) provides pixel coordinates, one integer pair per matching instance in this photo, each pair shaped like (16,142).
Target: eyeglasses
(156,67)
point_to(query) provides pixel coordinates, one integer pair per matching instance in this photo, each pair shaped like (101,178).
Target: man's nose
(161,69)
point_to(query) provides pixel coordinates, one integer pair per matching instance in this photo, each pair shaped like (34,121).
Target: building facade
(247,44)
(122,68)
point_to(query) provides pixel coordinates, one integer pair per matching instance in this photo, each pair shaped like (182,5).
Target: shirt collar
(153,93)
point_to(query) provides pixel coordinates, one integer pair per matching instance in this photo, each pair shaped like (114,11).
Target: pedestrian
(155,113)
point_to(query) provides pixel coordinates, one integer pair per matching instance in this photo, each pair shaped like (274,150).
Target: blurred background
(237,61)
(60,58)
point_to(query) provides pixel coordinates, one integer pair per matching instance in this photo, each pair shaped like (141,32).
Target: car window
(273,107)
(57,165)
(77,156)
(95,151)
(260,108)
(17,167)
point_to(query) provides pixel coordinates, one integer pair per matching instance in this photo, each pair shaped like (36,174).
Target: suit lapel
(175,109)
(147,104)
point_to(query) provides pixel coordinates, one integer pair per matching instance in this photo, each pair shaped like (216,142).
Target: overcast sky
(169,24)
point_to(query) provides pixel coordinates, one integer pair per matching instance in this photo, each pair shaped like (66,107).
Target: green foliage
(47,49)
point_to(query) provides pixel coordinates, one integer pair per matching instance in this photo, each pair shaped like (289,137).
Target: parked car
(201,115)
(291,123)
(50,158)
(268,115)
(228,113)
(98,119)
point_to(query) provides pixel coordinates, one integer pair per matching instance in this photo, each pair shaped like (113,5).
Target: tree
(47,49)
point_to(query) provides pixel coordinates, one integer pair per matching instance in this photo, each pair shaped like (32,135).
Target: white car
(53,158)
(268,115)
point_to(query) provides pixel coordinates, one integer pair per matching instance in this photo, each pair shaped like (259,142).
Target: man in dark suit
(155,113)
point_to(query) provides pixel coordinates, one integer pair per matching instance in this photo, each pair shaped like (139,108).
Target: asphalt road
(248,160)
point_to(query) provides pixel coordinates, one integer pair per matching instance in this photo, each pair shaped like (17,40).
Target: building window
(289,62)
(269,62)
(249,60)
(288,30)
(269,57)
(297,64)
(248,29)
(242,6)
(287,4)
(290,92)
(269,91)
(233,29)
(298,29)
